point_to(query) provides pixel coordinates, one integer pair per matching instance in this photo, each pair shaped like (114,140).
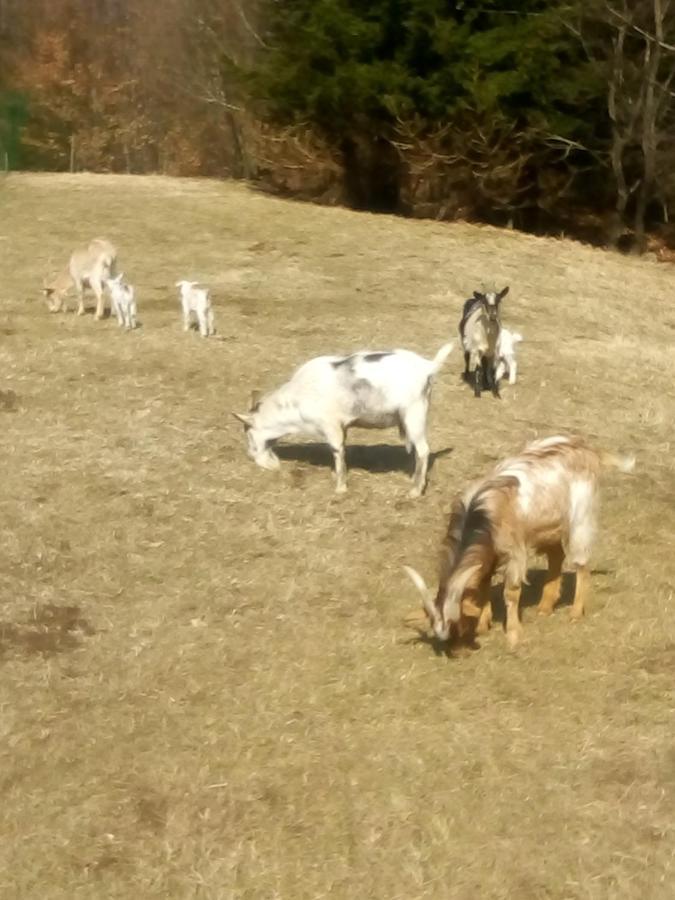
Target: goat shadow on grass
(450,649)
(467,378)
(530,596)
(47,630)
(532,591)
(372,458)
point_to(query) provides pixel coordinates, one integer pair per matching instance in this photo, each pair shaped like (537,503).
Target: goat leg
(580,592)
(494,383)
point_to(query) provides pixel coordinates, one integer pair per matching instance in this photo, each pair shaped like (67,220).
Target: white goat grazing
(198,301)
(328,394)
(506,355)
(91,265)
(123,301)
(479,330)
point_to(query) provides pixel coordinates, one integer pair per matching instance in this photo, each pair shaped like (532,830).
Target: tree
(486,79)
(632,46)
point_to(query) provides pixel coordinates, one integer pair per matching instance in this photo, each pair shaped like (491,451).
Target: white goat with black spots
(329,394)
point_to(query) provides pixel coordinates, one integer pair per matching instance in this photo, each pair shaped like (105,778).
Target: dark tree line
(546,114)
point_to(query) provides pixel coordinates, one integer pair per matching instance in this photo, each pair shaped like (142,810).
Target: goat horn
(416,579)
(426,593)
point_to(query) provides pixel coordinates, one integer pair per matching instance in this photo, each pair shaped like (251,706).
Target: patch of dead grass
(208,688)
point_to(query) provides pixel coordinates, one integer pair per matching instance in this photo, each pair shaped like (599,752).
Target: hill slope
(207,687)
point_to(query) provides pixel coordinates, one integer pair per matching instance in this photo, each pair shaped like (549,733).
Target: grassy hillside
(207,687)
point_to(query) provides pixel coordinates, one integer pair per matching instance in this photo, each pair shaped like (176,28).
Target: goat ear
(247,421)
(503,293)
(47,291)
(516,337)
(255,399)
(477,295)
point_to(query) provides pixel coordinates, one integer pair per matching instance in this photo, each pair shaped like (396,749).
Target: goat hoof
(576,615)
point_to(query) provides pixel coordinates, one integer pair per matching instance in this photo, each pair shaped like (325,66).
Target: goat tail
(615,461)
(441,357)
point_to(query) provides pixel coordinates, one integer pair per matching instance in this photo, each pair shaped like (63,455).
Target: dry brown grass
(206,686)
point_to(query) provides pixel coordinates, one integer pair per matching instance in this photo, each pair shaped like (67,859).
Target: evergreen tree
(355,69)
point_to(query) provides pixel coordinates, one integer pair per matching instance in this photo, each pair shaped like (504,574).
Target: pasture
(208,687)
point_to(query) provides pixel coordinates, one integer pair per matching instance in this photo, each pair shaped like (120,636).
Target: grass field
(207,686)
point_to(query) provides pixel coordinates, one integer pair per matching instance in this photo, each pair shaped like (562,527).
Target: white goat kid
(329,394)
(123,301)
(88,266)
(506,355)
(198,301)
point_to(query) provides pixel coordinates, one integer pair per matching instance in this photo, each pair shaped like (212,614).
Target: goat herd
(543,500)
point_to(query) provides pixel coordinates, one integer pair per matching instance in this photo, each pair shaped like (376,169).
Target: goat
(506,355)
(91,265)
(122,301)
(545,500)
(479,331)
(329,394)
(198,301)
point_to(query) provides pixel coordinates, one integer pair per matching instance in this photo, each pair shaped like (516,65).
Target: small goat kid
(123,301)
(91,265)
(198,301)
(544,499)
(506,355)
(479,331)
(329,394)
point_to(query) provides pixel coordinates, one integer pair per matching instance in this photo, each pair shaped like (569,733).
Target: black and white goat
(479,331)
(329,394)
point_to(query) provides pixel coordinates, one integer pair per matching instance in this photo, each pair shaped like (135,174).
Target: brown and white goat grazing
(479,330)
(543,500)
(92,265)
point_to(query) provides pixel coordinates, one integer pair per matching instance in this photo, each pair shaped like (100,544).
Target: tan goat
(91,265)
(543,500)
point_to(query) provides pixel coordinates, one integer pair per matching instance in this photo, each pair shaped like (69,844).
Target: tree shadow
(48,629)
(373,458)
